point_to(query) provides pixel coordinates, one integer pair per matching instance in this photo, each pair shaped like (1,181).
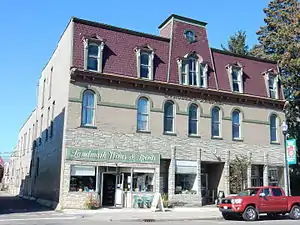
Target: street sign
(291,151)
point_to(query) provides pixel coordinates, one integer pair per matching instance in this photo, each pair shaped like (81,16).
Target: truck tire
(250,214)
(227,216)
(295,212)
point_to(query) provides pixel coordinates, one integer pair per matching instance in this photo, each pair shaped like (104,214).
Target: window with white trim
(237,79)
(215,122)
(88,108)
(93,51)
(236,124)
(143,114)
(145,66)
(169,117)
(273,90)
(193,72)
(193,119)
(274,128)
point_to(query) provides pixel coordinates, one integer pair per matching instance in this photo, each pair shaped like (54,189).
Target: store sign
(111,156)
(291,151)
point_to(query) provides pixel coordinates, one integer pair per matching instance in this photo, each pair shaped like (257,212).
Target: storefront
(115,178)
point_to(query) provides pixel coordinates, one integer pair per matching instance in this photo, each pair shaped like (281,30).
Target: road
(17,211)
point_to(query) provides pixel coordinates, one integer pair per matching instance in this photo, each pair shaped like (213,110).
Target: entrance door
(109,190)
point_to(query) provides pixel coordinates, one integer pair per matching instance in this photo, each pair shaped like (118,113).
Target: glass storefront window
(143,182)
(83,178)
(186,184)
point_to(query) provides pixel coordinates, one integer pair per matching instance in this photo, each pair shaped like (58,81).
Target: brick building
(121,111)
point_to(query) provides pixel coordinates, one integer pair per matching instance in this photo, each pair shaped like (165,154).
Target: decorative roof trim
(182,18)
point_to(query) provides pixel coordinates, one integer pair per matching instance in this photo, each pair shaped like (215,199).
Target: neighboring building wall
(52,96)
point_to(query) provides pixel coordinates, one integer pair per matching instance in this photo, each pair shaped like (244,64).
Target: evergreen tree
(280,39)
(237,43)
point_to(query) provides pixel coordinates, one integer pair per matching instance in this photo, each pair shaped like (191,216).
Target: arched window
(193,119)
(169,117)
(88,108)
(273,128)
(143,114)
(215,122)
(236,124)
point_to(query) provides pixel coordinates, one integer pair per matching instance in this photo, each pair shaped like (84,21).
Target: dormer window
(271,79)
(192,71)
(145,56)
(235,74)
(93,54)
(272,87)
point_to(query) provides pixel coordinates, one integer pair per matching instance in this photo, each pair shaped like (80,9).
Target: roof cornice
(175,89)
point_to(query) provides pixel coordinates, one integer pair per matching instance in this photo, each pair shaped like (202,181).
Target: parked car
(252,202)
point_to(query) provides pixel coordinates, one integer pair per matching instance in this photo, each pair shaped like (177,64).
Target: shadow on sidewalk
(16,204)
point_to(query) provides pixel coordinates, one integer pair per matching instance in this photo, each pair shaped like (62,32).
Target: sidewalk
(144,215)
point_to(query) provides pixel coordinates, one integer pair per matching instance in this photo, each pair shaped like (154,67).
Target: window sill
(217,138)
(170,133)
(194,136)
(144,131)
(275,143)
(238,139)
(88,126)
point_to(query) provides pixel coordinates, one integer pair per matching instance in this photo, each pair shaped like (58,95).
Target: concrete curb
(166,219)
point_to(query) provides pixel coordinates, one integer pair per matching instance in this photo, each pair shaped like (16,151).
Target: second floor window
(215,122)
(274,128)
(169,115)
(236,125)
(93,57)
(88,108)
(193,119)
(143,114)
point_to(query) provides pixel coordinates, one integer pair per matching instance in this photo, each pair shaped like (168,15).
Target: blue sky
(31,29)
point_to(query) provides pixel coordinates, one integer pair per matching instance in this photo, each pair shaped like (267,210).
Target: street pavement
(17,211)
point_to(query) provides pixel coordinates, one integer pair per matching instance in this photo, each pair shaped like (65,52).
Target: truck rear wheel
(295,212)
(250,214)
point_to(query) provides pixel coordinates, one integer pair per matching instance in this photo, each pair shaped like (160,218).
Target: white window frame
(147,114)
(100,45)
(275,86)
(93,107)
(219,122)
(183,70)
(173,121)
(239,68)
(150,53)
(276,127)
(240,124)
(196,120)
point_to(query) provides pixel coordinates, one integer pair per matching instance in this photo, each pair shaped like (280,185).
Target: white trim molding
(97,42)
(267,75)
(240,78)
(150,52)
(200,70)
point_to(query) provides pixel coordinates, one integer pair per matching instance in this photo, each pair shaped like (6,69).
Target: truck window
(266,191)
(277,191)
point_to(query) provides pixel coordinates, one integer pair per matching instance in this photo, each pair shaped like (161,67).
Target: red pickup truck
(252,202)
